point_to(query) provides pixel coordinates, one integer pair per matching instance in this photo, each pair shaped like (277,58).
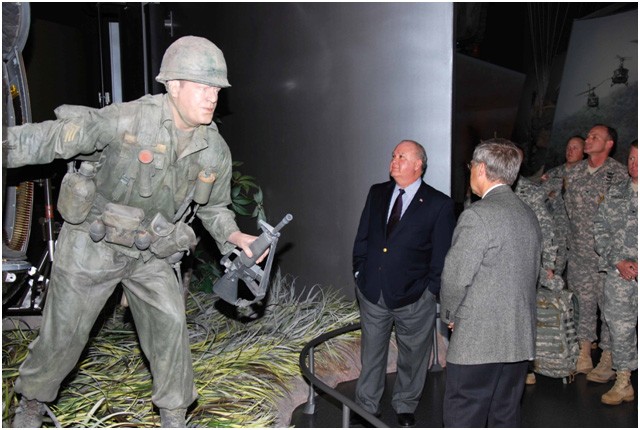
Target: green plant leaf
(258,196)
(241,210)
(242,201)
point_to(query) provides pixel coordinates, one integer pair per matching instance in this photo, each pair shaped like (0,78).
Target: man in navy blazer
(489,295)
(398,258)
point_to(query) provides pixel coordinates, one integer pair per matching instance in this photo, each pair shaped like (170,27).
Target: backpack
(557,346)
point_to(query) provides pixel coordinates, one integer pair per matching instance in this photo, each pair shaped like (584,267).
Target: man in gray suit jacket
(488,295)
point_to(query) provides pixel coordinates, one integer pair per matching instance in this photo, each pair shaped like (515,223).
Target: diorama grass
(242,367)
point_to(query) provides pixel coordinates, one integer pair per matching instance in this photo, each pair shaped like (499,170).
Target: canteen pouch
(77,192)
(121,223)
(179,239)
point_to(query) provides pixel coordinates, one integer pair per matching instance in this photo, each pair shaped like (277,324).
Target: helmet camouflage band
(195,59)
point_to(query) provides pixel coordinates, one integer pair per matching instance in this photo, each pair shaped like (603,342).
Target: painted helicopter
(620,75)
(592,99)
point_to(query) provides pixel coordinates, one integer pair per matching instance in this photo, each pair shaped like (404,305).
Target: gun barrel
(287,218)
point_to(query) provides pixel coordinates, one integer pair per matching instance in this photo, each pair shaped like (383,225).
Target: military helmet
(195,59)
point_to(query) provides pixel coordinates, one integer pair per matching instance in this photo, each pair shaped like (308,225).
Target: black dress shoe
(406,420)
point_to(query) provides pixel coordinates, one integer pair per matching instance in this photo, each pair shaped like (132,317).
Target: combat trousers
(621,313)
(83,277)
(587,283)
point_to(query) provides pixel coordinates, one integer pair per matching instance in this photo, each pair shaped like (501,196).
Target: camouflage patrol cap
(195,59)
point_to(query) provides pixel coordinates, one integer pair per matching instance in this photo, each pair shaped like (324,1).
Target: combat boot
(29,414)
(584,365)
(603,371)
(622,390)
(173,418)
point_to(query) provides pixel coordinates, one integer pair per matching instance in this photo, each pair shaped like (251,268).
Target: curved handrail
(347,402)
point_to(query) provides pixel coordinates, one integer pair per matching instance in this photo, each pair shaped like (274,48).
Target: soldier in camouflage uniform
(553,183)
(586,185)
(151,153)
(616,239)
(534,197)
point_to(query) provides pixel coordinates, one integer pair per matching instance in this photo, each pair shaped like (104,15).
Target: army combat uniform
(554,188)
(616,239)
(534,197)
(86,272)
(584,192)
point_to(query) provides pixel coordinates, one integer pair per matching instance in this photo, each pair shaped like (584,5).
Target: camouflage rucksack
(557,347)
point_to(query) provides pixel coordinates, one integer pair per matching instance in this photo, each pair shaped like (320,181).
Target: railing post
(310,407)
(308,372)
(346,412)
(435,366)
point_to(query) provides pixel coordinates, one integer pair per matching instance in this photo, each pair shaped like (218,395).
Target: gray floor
(548,403)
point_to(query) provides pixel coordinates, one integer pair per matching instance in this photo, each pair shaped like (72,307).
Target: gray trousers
(414,325)
(84,275)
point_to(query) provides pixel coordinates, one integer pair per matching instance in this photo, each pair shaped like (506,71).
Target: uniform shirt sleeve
(609,228)
(84,133)
(216,216)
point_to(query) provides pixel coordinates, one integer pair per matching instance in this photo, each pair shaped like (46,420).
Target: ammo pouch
(168,241)
(119,223)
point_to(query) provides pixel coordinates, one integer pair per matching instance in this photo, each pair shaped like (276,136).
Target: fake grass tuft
(241,369)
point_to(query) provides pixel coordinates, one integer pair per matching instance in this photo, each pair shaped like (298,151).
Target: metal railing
(347,403)
(308,371)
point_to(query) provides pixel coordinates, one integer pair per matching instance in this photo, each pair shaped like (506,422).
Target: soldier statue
(122,225)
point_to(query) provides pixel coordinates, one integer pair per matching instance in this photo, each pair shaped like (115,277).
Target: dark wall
(321,93)
(55,75)
(481,112)
(67,54)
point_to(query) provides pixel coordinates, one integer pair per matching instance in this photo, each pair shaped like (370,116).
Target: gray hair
(422,153)
(501,158)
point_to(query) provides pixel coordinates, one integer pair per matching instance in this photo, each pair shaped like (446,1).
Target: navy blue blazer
(409,261)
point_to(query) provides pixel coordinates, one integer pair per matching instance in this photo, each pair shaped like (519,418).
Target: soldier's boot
(622,390)
(29,414)
(173,418)
(584,365)
(603,371)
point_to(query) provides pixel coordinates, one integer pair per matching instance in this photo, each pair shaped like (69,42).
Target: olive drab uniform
(584,193)
(135,236)
(616,239)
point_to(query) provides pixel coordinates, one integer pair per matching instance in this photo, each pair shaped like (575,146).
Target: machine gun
(244,268)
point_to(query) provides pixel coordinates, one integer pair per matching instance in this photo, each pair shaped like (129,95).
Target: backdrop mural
(599,83)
